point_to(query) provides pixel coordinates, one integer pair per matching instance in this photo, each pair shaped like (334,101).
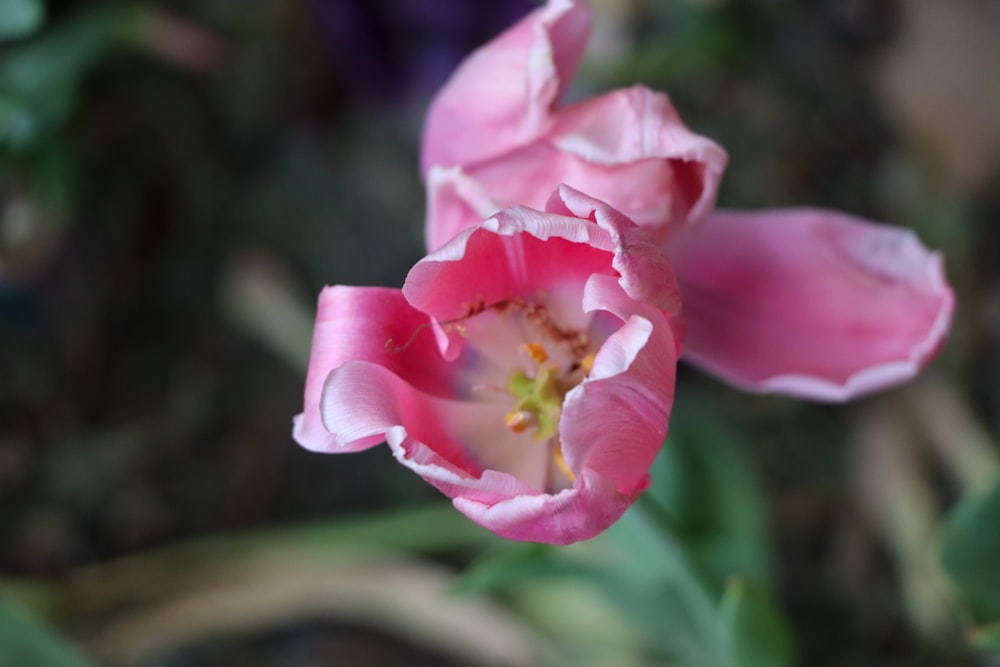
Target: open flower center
(539,394)
(532,353)
(538,397)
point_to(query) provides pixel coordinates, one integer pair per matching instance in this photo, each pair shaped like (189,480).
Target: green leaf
(25,641)
(39,79)
(513,564)
(682,41)
(20,18)
(65,52)
(756,633)
(643,578)
(970,555)
(667,561)
(433,528)
(655,579)
(985,637)
(704,482)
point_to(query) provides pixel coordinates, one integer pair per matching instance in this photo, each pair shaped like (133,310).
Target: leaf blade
(25,641)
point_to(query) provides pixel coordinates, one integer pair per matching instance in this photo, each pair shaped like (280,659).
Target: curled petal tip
(502,94)
(810,303)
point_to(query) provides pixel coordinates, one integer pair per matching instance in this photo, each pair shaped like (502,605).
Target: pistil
(539,398)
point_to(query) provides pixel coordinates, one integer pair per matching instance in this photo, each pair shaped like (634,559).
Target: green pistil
(540,397)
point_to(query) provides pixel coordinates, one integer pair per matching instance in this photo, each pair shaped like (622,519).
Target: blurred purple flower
(392,49)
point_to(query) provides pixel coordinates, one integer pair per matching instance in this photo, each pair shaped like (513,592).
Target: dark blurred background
(162,243)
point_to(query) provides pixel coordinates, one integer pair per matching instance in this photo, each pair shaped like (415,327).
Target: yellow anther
(536,351)
(518,421)
(587,363)
(561,464)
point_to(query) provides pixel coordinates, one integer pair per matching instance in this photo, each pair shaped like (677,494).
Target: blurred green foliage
(757,634)
(39,78)
(26,642)
(705,483)
(20,18)
(970,555)
(705,39)
(688,565)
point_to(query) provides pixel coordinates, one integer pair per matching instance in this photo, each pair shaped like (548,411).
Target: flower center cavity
(539,396)
(559,358)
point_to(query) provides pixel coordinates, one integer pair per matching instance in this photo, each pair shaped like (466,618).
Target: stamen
(396,349)
(557,455)
(587,363)
(536,351)
(518,421)
(538,314)
(471,311)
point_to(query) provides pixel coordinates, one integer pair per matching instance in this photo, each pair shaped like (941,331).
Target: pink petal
(362,402)
(366,402)
(645,273)
(627,148)
(524,251)
(640,158)
(519,253)
(358,323)
(455,202)
(501,96)
(450,442)
(568,516)
(459,198)
(488,487)
(616,421)
(810,303)
(460,446)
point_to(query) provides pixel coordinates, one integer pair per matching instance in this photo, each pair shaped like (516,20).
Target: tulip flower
(495,136)
(525,369)
(810,303)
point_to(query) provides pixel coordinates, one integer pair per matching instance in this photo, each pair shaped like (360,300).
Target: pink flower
(494,136)
(810,303)
(526,368)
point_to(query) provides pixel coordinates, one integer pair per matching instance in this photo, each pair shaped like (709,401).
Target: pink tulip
(809,303)
(526,368)
(495,136)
